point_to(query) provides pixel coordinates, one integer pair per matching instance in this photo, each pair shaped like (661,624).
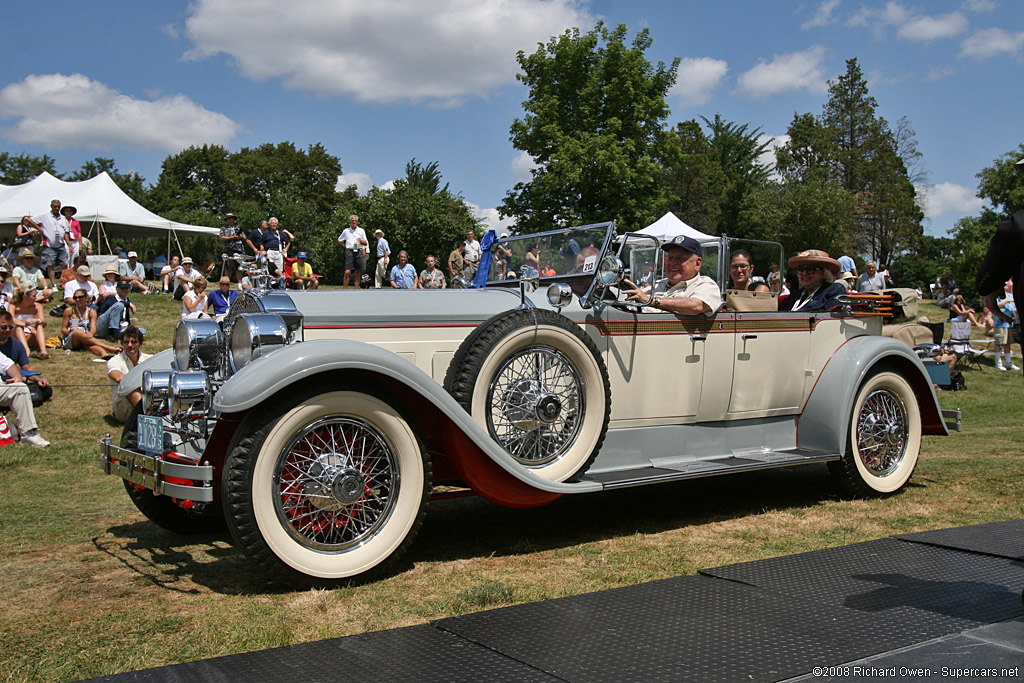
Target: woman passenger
(818,291)
(740,270)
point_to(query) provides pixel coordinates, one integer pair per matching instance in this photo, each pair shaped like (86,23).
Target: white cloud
(439,52)
(521,167)
(979,5)
(793,71)
(823,16)
(362,182)
(991,42)
(944,198)
(878,20)
(389,185)
(937,73)
(74,111)
(926,29)
(491,219)
(767,157)
(697,79)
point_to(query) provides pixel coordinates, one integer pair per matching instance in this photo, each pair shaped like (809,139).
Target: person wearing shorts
(353,239)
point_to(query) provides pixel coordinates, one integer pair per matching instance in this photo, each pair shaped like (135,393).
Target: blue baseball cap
(301,254)
(688,243)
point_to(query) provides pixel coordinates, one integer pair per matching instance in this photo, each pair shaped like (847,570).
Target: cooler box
(938,371)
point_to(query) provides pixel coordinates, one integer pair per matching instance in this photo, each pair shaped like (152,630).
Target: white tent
(669,226)
(104,210)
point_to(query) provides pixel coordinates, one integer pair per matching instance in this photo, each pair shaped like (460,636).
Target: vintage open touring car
(318,424)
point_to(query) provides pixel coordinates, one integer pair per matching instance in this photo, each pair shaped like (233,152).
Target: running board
(687,467)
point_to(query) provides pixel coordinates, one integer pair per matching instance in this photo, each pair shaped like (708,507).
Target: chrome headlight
(255,335)
(611,270)
(559,295)
(155,384)
(189,394)
(198,344)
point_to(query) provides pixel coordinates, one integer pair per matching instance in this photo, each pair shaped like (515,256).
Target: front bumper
(163,477)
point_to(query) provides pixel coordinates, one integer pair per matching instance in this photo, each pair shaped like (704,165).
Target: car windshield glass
(750,263)
(553,255)
(645,263)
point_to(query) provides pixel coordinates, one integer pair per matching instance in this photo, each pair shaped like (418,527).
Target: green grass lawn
(93,588)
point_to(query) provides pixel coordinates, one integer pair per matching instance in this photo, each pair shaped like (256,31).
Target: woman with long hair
(193,302)
(78,330)
(741,268)
(960,311)
(29,321)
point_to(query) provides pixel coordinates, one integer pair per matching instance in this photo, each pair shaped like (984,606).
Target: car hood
(403,306)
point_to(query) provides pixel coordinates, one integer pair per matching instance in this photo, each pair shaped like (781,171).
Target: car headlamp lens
(155,384)
(198,344)
(189,394)
(611,270)
(559,294)
(255,335)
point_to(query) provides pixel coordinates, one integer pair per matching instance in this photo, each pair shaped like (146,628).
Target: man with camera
(231,242)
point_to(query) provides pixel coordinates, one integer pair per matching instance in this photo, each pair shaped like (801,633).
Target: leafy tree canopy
(594,125)
(1003,184)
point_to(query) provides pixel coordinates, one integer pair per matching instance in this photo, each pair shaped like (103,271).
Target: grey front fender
(825,421)
(271,374)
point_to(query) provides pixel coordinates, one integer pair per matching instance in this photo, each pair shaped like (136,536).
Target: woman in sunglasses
(78,330)
(29,321)
(819,290)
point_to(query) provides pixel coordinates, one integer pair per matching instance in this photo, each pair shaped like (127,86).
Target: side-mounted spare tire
(536,382)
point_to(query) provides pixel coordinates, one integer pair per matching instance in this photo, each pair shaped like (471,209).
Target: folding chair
(960,342)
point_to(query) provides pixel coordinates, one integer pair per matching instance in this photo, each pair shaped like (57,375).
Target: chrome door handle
(698,337)
(749,336)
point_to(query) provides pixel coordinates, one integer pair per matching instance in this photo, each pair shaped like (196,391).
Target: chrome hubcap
(335,484)
(882,432)
(535,405)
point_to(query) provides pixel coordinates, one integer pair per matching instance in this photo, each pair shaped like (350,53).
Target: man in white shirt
(353,239)
(119,366)
(15,395)
(684,291)
(134,272)
(472,255)
(83,280)
(55,231)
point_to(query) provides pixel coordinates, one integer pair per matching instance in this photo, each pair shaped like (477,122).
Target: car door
(770,363)
(655,364)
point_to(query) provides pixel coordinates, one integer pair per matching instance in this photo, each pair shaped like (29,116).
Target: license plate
(151,434)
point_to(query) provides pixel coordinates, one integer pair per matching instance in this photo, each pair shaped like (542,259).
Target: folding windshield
(752,263)
(645,263)
(566,254)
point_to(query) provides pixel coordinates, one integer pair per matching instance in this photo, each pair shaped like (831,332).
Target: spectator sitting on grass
(109,285)
(117,313)
(16,396)
(29,322)
(68,274)
(193,303)
(82,282)
(6,287)
(119,366)
(15,350)
(78,329)
(218,302)
(28,273)
(166,275)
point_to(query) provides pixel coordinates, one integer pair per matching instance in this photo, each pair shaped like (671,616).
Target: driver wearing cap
(684,291)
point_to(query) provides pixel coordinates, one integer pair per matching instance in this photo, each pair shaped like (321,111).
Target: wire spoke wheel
(334,484)
(884,439)
(882,431)
(535,402)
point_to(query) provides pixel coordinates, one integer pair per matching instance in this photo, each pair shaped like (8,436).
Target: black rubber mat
(931,591)
(1002,539)
(691,628)
(415,653)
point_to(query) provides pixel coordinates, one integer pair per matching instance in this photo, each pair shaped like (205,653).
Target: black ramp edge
(931,591)
(414,653)
(689,628)
(1002,539)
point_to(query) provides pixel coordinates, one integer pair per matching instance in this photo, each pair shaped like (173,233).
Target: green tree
(426,178)
(807,215)
(21,168)
(194,186)
(737,150)
(971,236)
(695,179)
(1002,184)
(594,124)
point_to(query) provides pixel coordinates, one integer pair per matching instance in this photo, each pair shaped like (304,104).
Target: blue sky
(380,82)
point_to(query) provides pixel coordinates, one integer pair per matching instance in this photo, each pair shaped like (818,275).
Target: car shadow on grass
(471,527)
